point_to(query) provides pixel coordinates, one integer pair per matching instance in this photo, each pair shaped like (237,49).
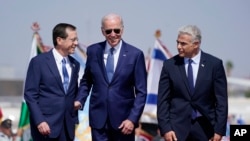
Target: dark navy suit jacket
(124,97)
(45,96)
(175,102)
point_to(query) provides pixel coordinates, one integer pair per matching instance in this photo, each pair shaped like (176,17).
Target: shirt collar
(58,56)
(196,58)
(118,46)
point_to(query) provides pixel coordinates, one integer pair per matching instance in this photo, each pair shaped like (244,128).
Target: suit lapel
(201,71)
(120,62)
(53,68)
(74,72)
(99,55)
(181,64)
(121,59)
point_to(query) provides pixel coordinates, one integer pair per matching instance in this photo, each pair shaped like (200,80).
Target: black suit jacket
(175,102)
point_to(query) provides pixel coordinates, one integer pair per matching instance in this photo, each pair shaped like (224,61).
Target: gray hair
(192,30)
(112,16)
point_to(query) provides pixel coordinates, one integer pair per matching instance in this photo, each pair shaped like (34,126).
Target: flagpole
(35,27)
(157,34)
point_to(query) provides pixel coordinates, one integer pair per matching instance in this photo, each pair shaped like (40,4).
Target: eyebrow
(182,43)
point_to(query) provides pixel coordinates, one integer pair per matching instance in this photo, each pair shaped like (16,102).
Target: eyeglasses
(117,31)
(71,39)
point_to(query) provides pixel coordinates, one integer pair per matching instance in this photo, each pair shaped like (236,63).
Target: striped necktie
(65,75)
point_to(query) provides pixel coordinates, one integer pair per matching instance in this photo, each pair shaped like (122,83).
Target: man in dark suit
(51,87)
(118,93)
(192,94)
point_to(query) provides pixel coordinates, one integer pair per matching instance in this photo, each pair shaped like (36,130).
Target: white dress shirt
(58,57)
(195,65)
(115,53)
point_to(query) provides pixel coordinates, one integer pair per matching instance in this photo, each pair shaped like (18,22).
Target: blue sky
(224,25)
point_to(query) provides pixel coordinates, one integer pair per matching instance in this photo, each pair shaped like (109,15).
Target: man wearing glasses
(51,87)
(116,75)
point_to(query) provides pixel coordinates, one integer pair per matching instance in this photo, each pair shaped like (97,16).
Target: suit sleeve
(85,83)
(31,91)
(220,89)
(163,101)
(140,76)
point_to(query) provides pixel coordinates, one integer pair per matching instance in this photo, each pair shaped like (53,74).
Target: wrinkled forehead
(112,23)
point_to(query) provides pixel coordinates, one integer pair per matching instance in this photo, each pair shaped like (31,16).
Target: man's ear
(59,40)
(196,44)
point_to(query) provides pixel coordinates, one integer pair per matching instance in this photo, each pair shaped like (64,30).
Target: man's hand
(170,136)
(216,137)
(77,105)
(127,127)
(43,128)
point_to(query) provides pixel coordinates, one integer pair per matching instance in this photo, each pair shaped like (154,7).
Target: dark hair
(60,31)
(7,123)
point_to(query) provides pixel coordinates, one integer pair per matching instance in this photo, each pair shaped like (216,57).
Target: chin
(181,55)
(71,51)
(114,43)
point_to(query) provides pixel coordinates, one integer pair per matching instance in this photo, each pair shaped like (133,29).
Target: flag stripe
(159,54)
(24,118)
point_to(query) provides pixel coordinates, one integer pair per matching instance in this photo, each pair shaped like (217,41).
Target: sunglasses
(117,31)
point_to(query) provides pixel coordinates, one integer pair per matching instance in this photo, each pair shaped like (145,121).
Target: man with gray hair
(192,94)
(116,75)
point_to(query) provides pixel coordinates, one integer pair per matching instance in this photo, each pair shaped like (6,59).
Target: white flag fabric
(158,55)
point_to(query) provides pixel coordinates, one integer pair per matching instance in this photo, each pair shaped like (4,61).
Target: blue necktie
(190,76)
(191,84)
(110,64)
(65,75)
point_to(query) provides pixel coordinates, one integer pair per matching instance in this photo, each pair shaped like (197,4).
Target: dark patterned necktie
(65,76)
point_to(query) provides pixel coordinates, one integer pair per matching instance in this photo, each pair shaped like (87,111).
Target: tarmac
(11,108)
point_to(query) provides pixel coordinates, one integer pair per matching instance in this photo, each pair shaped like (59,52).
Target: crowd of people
(192,102)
